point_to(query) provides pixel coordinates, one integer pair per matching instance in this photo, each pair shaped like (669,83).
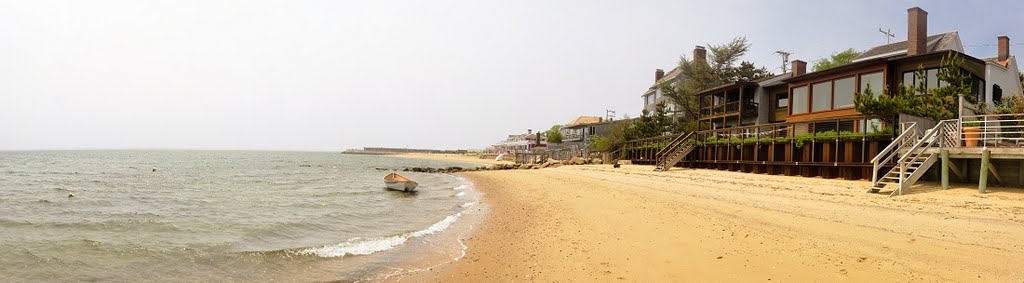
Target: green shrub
(782,139)
(750,140)
(826,136)
(850,136)
(766,140)
(800,139)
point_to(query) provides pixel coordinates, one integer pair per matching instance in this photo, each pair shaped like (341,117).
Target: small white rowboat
(397,182)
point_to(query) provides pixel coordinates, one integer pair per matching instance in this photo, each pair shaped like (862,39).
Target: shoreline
(632,224)
(450,158)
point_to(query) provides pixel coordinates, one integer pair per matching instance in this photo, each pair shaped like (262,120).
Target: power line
(785,58)
(888,35)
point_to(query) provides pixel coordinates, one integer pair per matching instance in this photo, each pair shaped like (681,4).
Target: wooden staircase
(674,152)
(910,157)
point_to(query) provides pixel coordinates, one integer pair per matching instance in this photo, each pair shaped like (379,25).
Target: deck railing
(998,130)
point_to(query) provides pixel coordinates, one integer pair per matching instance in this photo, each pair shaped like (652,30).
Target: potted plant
(972,133)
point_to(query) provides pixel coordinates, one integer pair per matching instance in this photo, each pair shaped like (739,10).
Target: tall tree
(747,72)
(937,104)
(719,68)
(836,59)
(554,135)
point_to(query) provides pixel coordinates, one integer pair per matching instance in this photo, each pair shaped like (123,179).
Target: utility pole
(609,115)
(785,59)
(888,35)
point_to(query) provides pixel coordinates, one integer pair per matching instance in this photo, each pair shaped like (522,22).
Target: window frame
(784,105)
(807,99)
(856,85)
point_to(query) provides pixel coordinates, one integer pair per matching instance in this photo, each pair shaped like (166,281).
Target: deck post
(1020,176)
(945,169)
(983,179)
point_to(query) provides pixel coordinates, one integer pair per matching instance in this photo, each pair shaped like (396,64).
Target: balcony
(730,108)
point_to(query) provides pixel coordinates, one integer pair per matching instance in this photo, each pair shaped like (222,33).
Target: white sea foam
(356,246)
(437,227)
(360,246)
(460,194)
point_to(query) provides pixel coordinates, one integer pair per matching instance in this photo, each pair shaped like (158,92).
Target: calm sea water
(217,216)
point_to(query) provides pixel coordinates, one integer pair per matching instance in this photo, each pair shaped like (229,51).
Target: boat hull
(407,186)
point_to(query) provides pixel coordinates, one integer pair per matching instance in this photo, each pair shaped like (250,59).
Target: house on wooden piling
(805,124)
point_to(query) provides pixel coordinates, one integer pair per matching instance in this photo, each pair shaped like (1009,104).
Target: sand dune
(596,223)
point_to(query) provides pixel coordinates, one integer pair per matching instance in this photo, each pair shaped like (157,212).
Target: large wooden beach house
(804,123)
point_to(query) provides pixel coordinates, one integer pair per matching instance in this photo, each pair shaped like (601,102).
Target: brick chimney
(658,74)
(1004,48)
(917,31)
(798,67)
(700,54)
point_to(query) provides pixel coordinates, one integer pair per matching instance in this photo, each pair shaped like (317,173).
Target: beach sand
(452,158)
(596,223)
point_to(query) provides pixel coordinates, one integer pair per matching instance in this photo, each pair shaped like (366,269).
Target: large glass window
(873,81)
(844,92)
(781,100)
(799,100)
(908,79)
(821,96)
(932,78)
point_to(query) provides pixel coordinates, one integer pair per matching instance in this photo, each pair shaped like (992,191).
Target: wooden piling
(983,179)
(945,169)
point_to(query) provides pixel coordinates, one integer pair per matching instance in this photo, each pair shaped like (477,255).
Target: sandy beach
(596,223)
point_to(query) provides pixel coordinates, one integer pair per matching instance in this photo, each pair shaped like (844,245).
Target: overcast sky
(329,75)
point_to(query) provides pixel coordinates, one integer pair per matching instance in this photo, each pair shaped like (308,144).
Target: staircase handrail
(672,144)
(891,151)
(671,147)
(913,154)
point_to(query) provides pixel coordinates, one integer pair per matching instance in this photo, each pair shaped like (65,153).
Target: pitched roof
(938,42)
(774,80)
(995,60)
(675,73)
(584,120)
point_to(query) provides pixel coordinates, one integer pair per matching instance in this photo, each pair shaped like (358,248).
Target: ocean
(215,216)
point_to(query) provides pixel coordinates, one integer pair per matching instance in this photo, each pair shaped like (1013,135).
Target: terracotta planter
(971,136)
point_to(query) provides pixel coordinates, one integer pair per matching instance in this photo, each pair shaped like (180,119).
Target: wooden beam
(956,170)
(992,168)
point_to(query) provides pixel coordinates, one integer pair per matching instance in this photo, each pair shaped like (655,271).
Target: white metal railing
(997,130)
(908,135)
(916,152)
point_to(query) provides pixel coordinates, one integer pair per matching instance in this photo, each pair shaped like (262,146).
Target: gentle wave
(360,246)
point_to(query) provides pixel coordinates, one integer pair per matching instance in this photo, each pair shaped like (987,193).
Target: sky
(332,75)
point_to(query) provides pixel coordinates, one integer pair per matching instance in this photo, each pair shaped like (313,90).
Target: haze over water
(213,215)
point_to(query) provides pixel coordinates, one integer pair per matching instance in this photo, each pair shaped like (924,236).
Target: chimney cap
(698,47)
(916,8)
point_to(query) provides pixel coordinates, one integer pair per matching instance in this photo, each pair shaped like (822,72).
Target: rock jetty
(456,169)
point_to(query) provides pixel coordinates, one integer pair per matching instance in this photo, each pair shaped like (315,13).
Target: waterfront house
(578,134)
(520,143)
(805,124)
(654,94)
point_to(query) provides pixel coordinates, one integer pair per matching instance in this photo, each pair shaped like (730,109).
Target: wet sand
(596,223)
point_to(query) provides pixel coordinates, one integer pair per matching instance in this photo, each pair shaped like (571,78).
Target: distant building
(654,94)
(520,143)
(578,134)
